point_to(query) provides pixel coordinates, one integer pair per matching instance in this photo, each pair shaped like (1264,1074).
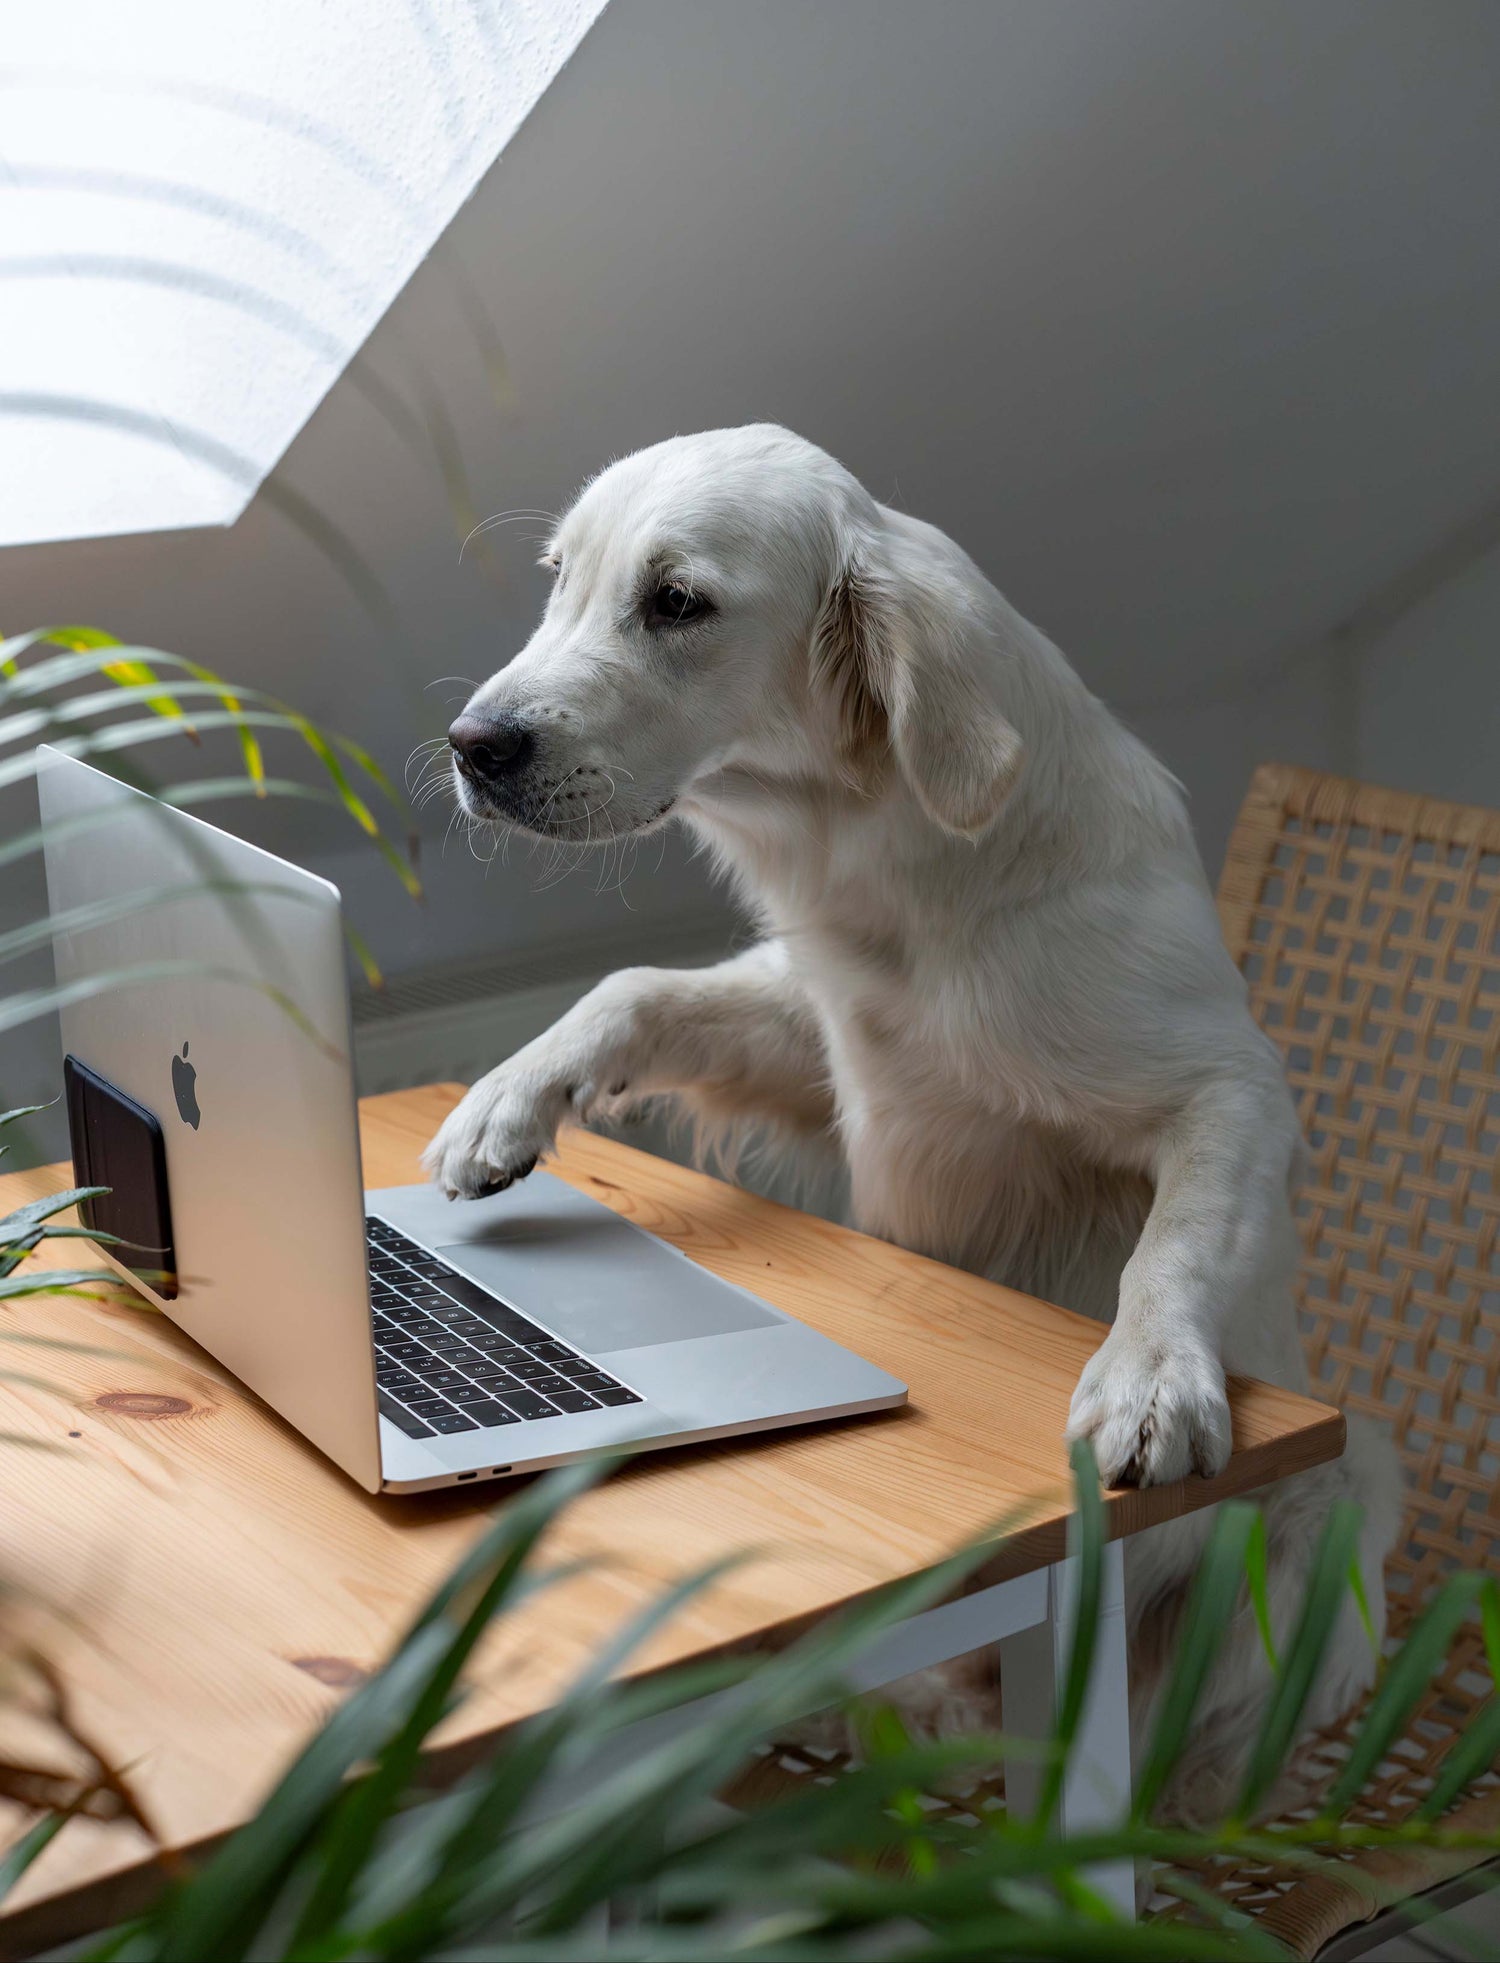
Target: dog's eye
(675,605)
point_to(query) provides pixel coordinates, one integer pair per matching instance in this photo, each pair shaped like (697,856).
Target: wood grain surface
(209,1585)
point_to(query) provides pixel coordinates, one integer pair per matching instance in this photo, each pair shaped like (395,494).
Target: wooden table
(209,1585)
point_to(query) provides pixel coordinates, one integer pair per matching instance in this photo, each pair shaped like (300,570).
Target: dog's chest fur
(967,1137)
(977,1097)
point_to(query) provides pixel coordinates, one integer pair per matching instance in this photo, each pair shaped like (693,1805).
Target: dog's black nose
(491,747)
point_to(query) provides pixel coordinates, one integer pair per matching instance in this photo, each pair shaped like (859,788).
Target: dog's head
(736,600)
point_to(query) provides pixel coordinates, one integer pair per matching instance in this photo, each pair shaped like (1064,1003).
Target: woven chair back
(1367,925)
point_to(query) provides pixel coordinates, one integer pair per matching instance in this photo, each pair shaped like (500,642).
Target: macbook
(418,1342)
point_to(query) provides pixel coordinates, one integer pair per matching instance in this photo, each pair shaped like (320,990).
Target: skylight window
(203,213)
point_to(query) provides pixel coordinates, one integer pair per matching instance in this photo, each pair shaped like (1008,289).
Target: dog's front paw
(495,1137)
(1153,1415)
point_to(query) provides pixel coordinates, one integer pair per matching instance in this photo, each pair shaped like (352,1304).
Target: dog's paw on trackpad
(503,1179)
(490,1140)
(1152,1415)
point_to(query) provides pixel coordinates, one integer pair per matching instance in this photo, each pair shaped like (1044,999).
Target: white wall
(1428,712)
(1183,316)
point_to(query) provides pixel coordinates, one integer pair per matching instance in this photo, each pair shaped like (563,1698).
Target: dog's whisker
(629,857)
(507,518)
(427,786)
(432,773)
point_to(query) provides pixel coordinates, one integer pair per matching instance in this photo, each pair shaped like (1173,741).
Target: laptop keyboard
(449,1356)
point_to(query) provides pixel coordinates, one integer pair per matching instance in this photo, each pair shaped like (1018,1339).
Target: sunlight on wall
(203,213)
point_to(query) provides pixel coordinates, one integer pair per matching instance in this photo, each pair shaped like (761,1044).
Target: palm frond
(134,672)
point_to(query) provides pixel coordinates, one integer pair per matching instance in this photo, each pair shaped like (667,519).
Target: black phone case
(119,1144)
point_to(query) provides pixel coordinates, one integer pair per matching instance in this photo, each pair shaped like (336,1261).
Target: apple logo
(184,1080)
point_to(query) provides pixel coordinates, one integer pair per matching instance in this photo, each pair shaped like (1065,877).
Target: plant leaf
(129,673)
(28,1216)
(1211,1606)
(16,1860)
(1407,1676)
(28,1005)
(1321,1603)
(31,723)
(1362,1603)
(117,906)
(1489,1610)
(54,1281)
(369,967)
(520,1768)
(218,1912)
(1083,1637)
(1474,1751)
(613,1833)
(65,637)
(132,735)
(182,797)
(486,1578)
(1258,1576)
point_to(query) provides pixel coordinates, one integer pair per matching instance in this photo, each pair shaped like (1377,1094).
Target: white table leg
(1096,1789)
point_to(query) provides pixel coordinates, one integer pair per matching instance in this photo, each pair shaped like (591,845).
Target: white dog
(992,972)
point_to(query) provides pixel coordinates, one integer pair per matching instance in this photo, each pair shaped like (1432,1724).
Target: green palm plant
(598,1816)
(85,692)
(148,696)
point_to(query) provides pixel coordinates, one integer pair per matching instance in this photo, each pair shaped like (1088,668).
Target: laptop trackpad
(578,1267)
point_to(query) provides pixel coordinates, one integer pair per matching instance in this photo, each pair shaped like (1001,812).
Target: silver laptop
(417,1342)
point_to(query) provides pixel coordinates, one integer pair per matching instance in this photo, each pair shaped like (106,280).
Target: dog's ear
(913,674)
(844,660)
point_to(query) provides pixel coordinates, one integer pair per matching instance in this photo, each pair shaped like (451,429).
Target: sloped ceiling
(204,211)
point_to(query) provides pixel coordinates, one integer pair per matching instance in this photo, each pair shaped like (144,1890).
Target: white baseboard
(453,1024)
(458,1044)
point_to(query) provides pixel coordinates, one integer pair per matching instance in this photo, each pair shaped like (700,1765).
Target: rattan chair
(1367,924)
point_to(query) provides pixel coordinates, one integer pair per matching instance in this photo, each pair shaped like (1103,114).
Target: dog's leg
(740,1038)
(1213,1268)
